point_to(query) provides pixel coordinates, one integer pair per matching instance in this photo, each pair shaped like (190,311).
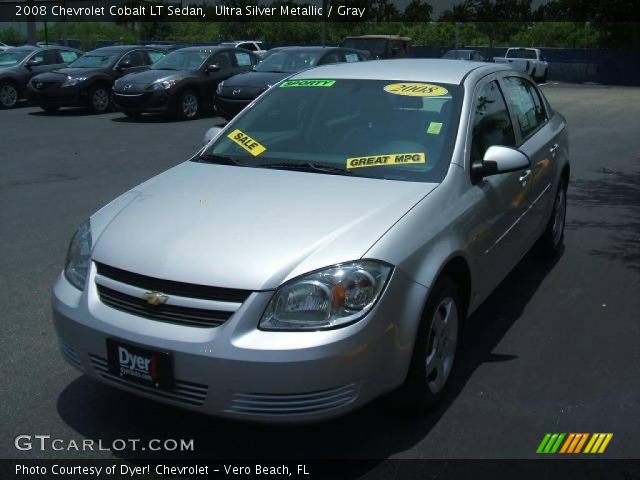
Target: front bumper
(58,96)
(231,107)
(143,102)
(235,370)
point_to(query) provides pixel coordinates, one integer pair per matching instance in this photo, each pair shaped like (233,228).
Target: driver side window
(491,122)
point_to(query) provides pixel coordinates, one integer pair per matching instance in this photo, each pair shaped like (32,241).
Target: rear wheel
(188,105)
(550,242)
(434,351)
(99,99)
(8,95)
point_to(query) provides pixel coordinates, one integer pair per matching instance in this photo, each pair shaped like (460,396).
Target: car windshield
(93,60)
(288,61)
(13,57)
(521,53)
(186,60)
(390,130)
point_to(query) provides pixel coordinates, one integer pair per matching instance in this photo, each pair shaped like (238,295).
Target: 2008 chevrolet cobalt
(325,247)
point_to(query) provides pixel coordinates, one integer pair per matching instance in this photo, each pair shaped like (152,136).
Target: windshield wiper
(306,167)
(223,160)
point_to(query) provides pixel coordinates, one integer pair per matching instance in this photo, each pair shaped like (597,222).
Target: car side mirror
(211,134)
(498,159)
(124,66)
(33,63)
(213,68)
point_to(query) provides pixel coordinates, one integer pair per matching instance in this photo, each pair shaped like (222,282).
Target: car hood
(62,73)
(246,228)
(255,79)
(147,77)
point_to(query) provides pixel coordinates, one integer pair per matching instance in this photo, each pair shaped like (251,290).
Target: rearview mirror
(211,134)
(498,159)
(213,68)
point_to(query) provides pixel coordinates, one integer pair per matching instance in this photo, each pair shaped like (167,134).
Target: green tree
(417,11)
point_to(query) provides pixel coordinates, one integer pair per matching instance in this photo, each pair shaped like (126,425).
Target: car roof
(382,37)
(120,48)
(310,48)
(408,69)
(208,48)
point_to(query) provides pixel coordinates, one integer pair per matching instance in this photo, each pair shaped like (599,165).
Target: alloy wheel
(100,100)
(442,342)
(560,211)
(189,105)
(8,95)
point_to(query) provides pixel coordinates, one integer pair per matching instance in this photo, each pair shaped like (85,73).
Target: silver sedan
(322,249)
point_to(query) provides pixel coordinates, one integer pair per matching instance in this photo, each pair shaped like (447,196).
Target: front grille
(194,317)
(171,287)
(181,391)
(294,403)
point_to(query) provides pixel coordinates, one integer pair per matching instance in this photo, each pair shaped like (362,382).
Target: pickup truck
(529,60)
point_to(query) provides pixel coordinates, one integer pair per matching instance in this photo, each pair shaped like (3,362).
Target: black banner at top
(374,11)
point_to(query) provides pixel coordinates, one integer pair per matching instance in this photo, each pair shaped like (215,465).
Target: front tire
(188,105)
(551,240)
(99,99)
(434,353)
(8,95)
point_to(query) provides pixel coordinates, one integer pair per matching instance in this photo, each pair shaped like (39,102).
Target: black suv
(19,64)
(182,83)
(87,82)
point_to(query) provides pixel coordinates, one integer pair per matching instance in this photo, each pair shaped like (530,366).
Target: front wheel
(550,242)
(188,105)
(8,95)
(99,99)
(434,351)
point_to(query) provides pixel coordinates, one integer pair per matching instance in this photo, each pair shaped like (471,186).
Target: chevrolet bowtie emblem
(155,298)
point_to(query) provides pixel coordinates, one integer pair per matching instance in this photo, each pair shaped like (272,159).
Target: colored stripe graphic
(573,443)
(550,443)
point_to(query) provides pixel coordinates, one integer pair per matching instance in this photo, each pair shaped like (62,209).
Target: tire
(134,115)
(99,99)
(188,105)
(551,240)
(434,353)
(49,109)
(8,95)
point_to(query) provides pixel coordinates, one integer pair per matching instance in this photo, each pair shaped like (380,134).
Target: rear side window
(223,60)
(351,57)
(137,58)
(155,55)
(68,56)
(243,59)
(491,122)
(527,104)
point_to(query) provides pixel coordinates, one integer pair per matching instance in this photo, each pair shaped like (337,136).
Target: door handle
(525,178)
(554,149)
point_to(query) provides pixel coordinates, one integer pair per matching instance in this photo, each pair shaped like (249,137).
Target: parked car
(251,45)
(87,82)
(529,60)
(322,249)
(237,92)
(19,64)
(182,83)
(473,55)
(380,46)
(4,46)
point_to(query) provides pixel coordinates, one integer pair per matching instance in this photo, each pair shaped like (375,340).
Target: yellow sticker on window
(434,128)
(416,89)
(252,146)
(388,159)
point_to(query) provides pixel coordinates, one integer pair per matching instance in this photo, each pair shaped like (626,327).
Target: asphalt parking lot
(554,349)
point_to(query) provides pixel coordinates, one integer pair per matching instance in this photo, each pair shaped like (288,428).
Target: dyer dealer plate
(140,365)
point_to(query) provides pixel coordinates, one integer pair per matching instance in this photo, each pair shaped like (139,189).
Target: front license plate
(140,365)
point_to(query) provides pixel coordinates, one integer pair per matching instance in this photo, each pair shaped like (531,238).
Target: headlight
(163,85)
(79,256)
(219,88)
(329,298)
(72,81)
